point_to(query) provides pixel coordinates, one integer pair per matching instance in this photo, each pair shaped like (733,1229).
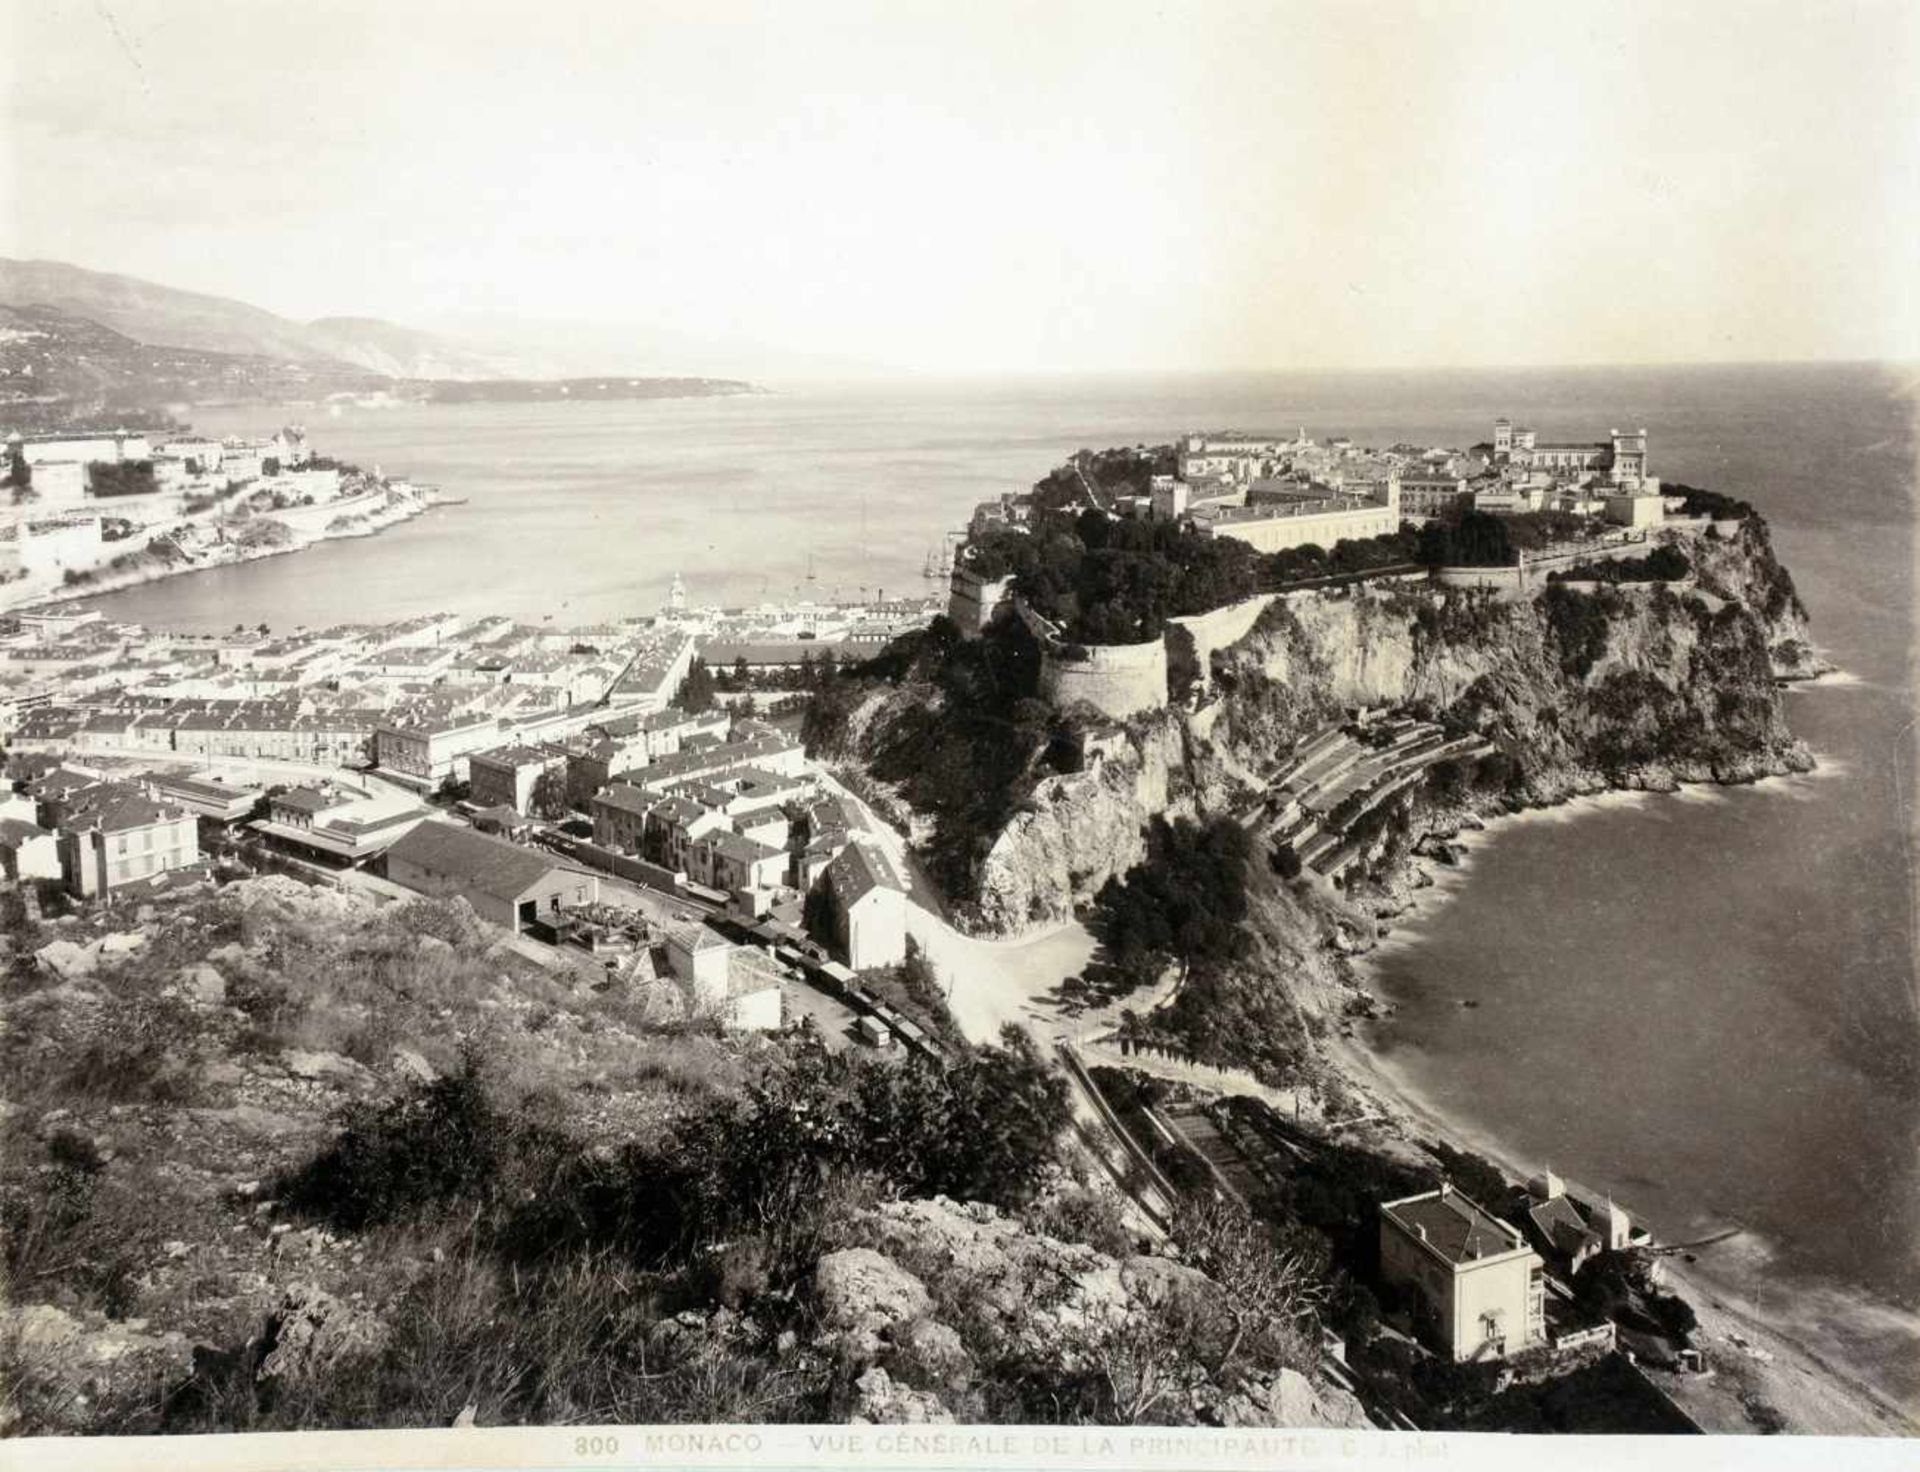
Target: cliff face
(1581,688)
(1079,830)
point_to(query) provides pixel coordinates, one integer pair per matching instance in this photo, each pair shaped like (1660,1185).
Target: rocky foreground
(285,1158)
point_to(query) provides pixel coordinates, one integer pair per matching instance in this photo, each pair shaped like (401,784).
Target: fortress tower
(1629,456)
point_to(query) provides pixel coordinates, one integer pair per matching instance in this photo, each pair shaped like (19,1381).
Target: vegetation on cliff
(956,726)
(286,1158)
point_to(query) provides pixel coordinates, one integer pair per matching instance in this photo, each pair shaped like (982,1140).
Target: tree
(1186,900)
(1270,1288)
(549,796)
(696,690)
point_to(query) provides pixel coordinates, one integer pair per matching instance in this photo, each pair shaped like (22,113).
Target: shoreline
(1756,1358)
(1817,1396)
(12,601)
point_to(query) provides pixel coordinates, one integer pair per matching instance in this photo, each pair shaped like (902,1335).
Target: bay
(1705,1004)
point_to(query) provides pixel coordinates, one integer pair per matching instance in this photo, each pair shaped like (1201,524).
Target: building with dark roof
(504,882)
(869,899)
(114,834)
(1484,1288)
(732,862)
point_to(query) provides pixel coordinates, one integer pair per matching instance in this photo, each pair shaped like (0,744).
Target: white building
(1484,1288)
(869,905)
(1278,525)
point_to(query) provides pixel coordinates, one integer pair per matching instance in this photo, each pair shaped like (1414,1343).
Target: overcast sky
(994,186)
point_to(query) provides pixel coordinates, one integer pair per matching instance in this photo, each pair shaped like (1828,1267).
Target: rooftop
(1452,1225)
(862,867)
(490,865)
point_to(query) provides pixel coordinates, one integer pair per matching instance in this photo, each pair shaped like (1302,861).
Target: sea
(1703,1004)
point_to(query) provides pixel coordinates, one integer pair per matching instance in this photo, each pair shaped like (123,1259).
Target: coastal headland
(92,512)
(1351,712)
(1151,791)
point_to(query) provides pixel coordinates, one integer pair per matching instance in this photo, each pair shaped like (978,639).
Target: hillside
(58,368)
(1580,689)
(287,1158)
(148,312)
(335,348)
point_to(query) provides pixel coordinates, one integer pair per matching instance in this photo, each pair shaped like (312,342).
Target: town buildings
(112,835)
(1319,520)
(512,886)
(1482,1287)
(516,776)
(1621,457)
(1570,1232)
(735,985)
(338,825)
(869,905)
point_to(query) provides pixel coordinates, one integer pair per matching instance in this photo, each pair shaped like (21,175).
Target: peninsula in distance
(582,859)
(87,346)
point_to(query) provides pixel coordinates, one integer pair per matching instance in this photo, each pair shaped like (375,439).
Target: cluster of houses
(98,835)
(1277,493)
(126,744)
(418,697)
(744,819)
(1483,1282)
(77,499)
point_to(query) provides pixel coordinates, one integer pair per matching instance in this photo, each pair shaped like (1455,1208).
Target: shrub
(140,1049)
(437,1145)
(1185,900)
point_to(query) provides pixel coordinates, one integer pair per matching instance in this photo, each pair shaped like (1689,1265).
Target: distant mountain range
(77,343)
(57,368)
(471,347)
(154,314)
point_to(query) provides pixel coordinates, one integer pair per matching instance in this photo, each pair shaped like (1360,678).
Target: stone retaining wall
(1119,680)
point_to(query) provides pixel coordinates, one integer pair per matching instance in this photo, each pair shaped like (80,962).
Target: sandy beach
(1757,1366)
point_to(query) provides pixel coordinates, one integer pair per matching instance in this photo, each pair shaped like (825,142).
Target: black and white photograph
(1041,735)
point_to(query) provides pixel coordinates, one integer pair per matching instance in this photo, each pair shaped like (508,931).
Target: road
(263,771)
(989,983)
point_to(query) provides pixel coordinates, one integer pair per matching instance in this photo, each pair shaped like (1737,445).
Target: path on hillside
(989,983)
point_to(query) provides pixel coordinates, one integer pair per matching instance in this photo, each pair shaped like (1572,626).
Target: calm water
(1705,1004)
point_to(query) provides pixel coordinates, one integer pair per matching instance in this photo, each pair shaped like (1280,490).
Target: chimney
(1420,1231)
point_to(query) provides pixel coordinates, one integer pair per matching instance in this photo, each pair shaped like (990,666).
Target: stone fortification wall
(1216,630)
(1119,680)
(1503,582)
(974,601)
(319,516)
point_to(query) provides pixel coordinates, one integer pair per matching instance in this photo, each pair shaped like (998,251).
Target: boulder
(302,1064)
(42,1326)
(67,960)
(410,1065)
(204,985)
(309,1331)
(862,1295)
(927,1352)
(1293,1400)
(121,944)
(878,1401)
